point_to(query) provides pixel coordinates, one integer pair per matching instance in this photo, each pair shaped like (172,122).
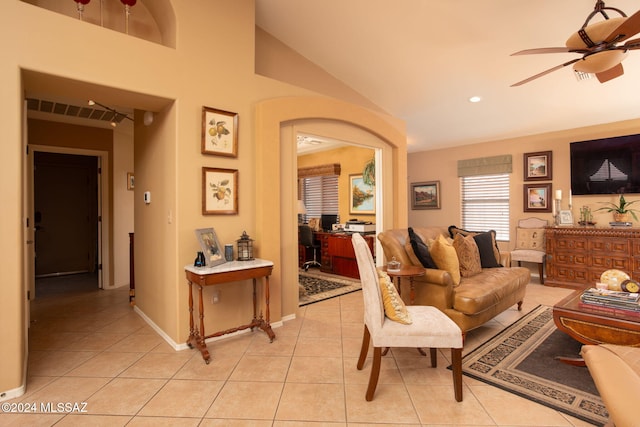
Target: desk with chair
(332,252)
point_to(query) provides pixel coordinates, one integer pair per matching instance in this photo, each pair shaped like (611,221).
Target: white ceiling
(421,60)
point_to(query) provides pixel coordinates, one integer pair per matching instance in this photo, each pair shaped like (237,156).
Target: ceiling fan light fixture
(597,32)
(601,61)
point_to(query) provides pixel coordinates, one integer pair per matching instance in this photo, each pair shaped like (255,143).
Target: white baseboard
(184,346)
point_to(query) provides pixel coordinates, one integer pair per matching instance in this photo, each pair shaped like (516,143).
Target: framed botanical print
(538,166)
(219,132)
(362,196)
(425,195)
(219,191)
(537,198)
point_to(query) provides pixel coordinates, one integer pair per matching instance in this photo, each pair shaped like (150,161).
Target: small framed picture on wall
(537,197)
(425,195)
(538,166)
(219,132)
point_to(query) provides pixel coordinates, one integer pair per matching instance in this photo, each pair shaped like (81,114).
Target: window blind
(485,204)
(320,195)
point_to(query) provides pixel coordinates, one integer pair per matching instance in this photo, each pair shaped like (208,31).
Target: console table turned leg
(196,338)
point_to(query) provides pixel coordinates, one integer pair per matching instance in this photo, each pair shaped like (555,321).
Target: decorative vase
(621,217)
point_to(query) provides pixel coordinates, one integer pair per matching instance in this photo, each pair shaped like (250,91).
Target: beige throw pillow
(468,255)
(530,238)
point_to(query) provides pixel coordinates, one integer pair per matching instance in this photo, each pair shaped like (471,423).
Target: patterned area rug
(521,360)
(319,287)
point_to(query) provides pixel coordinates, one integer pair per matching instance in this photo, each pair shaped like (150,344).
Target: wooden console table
(577,256)
(232,271)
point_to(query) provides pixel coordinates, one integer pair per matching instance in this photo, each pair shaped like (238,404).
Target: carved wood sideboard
(577,256)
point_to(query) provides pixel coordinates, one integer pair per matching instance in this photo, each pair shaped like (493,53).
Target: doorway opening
(67,223)
(66,219)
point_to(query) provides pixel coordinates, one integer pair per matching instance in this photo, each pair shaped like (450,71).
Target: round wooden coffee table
(591,324)
(409,271)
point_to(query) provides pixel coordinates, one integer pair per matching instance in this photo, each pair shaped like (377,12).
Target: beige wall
(82,60)
(442,165)
(352,161)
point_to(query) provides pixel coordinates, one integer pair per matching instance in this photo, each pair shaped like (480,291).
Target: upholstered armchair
(530,244)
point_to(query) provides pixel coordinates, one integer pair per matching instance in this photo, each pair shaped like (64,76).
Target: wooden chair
(530,246)
(430,328)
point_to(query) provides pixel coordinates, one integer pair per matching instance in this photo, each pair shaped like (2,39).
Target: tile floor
(92,347)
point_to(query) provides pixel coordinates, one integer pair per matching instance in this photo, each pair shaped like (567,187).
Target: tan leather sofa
(476,300)
(615,370)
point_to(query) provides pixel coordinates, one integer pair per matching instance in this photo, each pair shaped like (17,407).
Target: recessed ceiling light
(475,99)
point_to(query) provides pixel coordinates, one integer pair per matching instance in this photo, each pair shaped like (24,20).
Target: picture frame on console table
(219,132)
(565,218)
(537,197)
(538,166)
(425,195)
(219,191)
(210,246)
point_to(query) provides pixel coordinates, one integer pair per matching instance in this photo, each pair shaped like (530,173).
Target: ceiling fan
(598,44)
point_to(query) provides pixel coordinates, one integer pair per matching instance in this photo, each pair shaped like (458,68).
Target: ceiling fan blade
(629,28)
(610,74)
(544,73)
(631,44)
(542,50)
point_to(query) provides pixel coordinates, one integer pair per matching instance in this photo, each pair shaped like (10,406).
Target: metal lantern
(245,247)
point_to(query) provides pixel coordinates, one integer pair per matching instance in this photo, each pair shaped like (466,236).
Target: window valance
(485,166)
(320,170)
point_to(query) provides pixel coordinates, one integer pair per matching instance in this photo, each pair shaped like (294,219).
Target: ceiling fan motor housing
(592,37)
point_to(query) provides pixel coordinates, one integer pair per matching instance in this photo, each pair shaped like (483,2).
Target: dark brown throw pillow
(486,248)
(421,250)
(487,245)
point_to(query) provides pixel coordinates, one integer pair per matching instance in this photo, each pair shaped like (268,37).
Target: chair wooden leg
(366,337)
(433,353)
(375,373)
(541,273)
(456,368)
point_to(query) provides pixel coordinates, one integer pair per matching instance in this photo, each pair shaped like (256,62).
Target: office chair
(305,238)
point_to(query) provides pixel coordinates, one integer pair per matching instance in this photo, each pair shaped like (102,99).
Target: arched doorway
(277,123)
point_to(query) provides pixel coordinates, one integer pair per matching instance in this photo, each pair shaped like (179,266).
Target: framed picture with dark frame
(538,166)
(425,195)
(219,191)
(362,196)
(537,197)
(210,247)
(219,132)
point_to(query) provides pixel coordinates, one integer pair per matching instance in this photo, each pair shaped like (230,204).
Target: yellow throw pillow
(394,307)
(445,257)
(468,255)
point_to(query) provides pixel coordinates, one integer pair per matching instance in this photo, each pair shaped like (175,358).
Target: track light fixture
(116,114)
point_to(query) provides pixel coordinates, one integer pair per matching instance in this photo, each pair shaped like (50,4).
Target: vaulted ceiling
(421,61)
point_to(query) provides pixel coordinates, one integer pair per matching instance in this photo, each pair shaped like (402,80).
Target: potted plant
(620,211)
